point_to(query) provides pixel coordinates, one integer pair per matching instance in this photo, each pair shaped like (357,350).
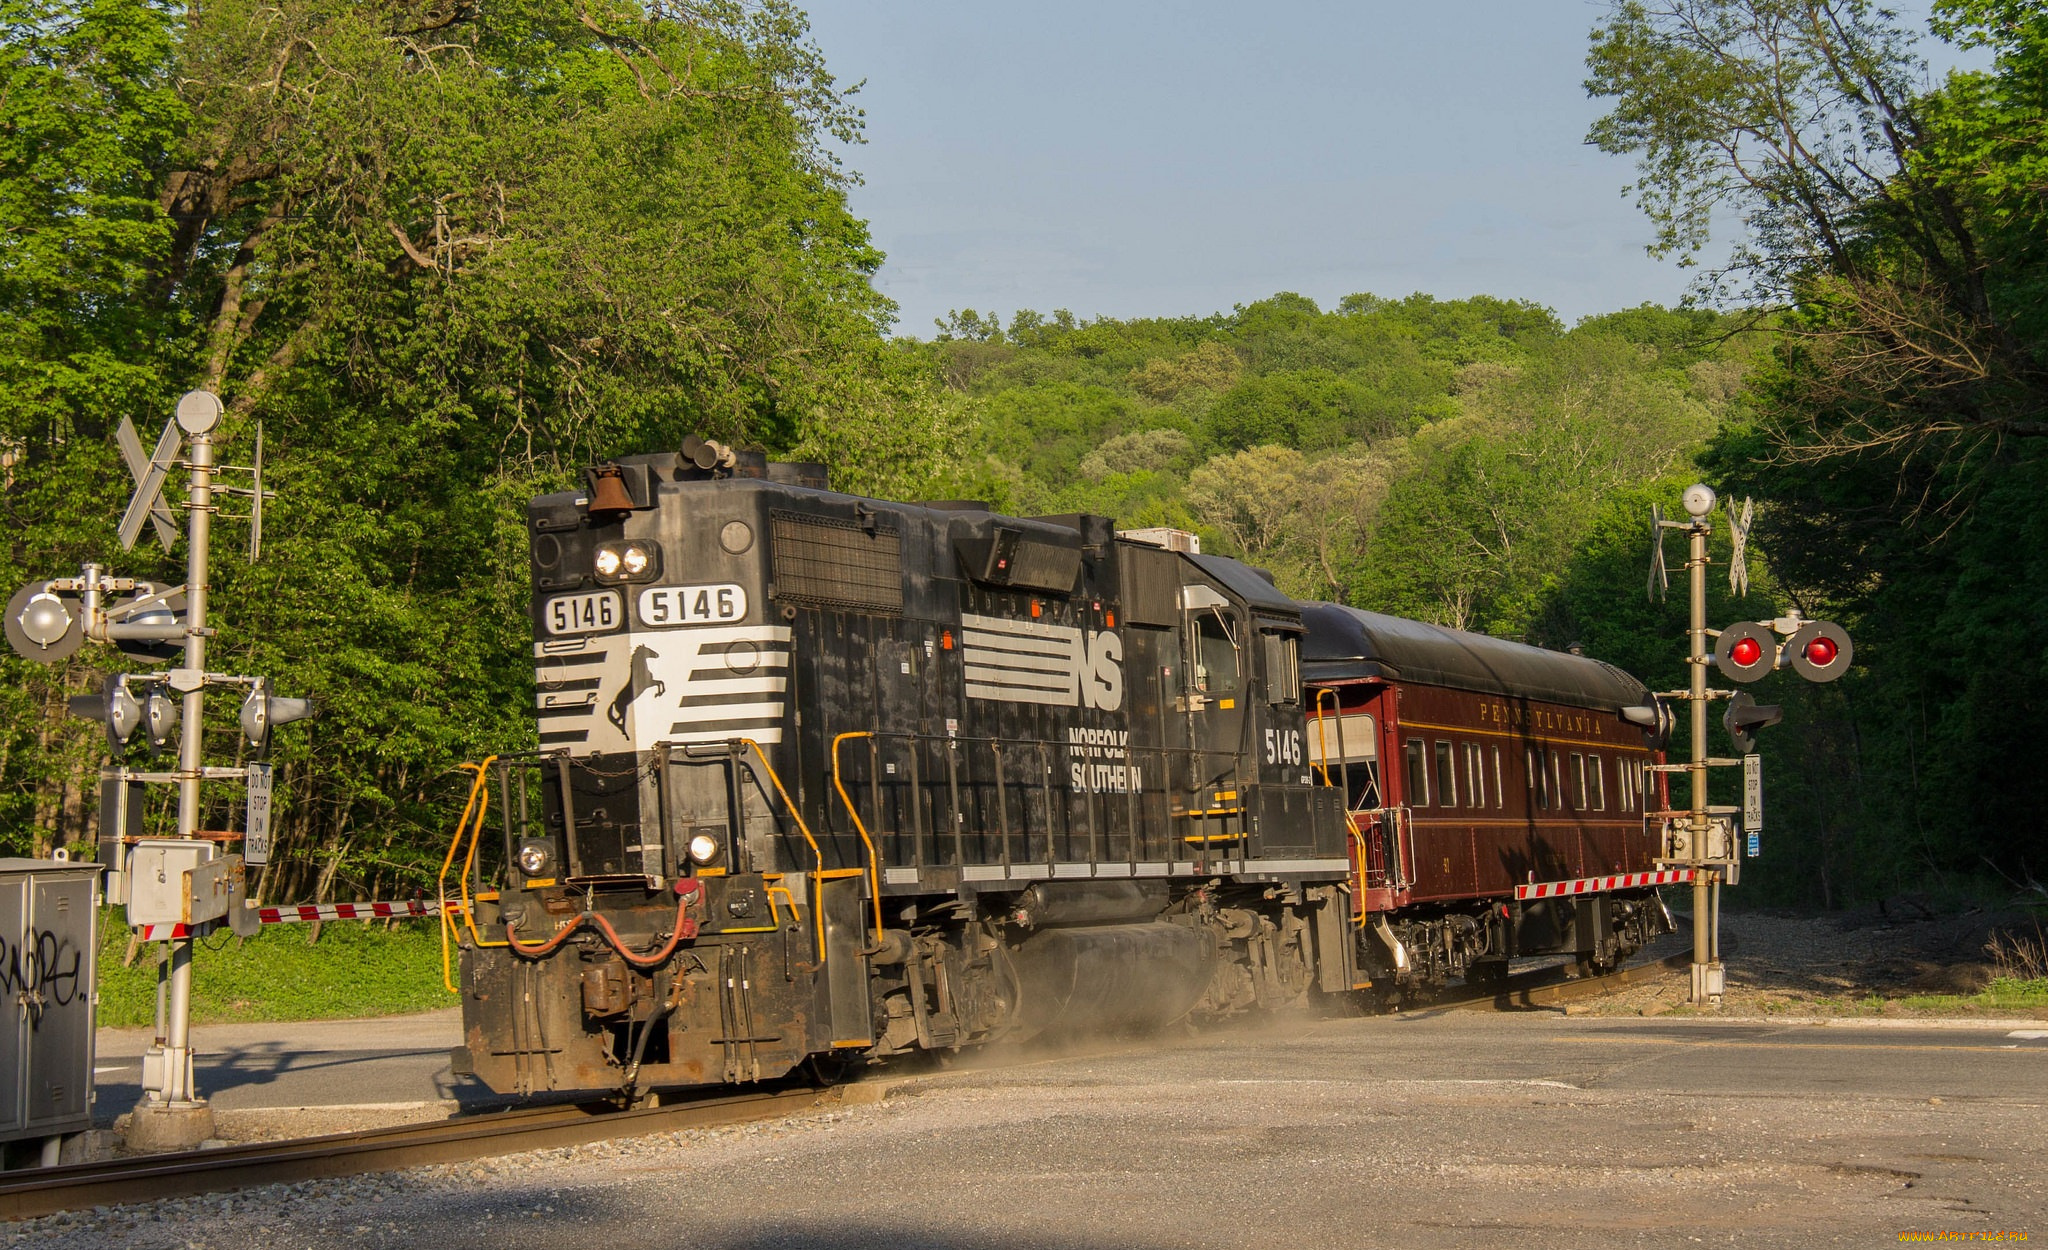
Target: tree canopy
(446,254)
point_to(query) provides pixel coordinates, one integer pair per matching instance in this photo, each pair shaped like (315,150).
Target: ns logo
(1022,661)
(1102,671)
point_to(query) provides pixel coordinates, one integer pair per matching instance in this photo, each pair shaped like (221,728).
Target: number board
(585,614)
(692,605)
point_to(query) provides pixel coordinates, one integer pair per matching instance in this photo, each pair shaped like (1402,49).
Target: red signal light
(1821,652)
(1747,652)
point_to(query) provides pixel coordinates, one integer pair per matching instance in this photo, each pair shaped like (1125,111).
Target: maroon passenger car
(1475,769)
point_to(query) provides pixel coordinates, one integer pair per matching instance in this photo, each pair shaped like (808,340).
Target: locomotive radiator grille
(837,564)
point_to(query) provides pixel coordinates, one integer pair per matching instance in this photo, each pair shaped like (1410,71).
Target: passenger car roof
(1346,644)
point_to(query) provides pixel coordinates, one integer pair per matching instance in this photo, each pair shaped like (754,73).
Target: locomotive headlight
(704,848)
(608,562)
(634,561)
(535,859)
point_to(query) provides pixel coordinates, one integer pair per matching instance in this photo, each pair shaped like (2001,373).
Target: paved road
(402,1059)
(1428,1129)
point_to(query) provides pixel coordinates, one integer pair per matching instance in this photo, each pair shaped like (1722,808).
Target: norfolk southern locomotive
(825,778)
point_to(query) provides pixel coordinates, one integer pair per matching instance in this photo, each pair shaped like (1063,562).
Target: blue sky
(1133,160)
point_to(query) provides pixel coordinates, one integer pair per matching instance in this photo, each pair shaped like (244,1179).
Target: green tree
(1895,233)
(447,255)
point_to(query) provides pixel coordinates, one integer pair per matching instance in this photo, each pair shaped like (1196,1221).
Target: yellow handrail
(1358,836)
(476,830)
(874,876)
(1323,734)
(479,802)
(817,856)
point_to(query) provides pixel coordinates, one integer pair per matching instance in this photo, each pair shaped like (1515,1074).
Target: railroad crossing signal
(1819,651)
(262,710)
(1745,652)
(1702,834)
(1743,718)
(149,474)
(115,706)
(45,623)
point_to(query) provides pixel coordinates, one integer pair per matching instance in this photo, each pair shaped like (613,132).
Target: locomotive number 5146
(585,614)
(692,605)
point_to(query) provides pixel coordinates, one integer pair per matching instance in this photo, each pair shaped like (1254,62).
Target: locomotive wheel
(831,1069)
(1588,965)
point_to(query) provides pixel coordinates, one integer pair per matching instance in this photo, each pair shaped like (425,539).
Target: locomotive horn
(708,453)
(608,491)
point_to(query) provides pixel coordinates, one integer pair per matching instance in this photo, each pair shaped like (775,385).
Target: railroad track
(46,1191)
(1549,987)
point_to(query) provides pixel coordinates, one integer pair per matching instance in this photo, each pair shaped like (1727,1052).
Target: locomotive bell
(608,491)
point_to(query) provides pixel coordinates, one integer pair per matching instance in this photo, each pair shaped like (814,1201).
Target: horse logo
(637,684)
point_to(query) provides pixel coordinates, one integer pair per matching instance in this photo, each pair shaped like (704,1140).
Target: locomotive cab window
(1215,654)
(1283,668)
(1415,753)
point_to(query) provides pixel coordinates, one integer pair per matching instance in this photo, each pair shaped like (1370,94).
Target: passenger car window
(1418,772)
(1598,777)
(1446,777)
(1475,776)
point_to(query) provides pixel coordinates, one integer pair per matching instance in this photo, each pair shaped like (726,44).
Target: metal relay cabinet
(48,939)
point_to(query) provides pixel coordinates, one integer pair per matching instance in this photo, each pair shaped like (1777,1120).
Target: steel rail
(1542,988)
(46,1191)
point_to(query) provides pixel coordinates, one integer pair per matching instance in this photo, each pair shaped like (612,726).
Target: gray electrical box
(48,939)
(179,881)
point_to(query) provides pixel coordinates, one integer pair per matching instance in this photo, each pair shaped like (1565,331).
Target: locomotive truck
(823,778)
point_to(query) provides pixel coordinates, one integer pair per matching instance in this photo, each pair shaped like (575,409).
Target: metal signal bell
(608,491)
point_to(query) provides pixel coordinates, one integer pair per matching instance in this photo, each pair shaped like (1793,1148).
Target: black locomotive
(824,777)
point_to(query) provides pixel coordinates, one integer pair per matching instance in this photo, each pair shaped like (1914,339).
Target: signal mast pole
(1706,882)
(197,415)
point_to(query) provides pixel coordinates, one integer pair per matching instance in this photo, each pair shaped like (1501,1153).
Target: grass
(355,969)
(2003,994)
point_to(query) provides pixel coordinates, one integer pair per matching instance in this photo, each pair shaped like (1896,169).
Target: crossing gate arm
(1601,885)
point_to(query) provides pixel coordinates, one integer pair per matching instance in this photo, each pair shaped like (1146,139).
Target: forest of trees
(449,253)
